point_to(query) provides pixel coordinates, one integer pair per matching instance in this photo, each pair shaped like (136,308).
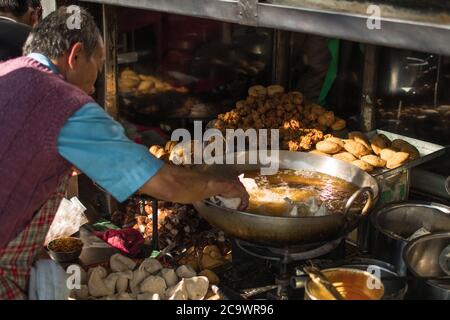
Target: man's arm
(96,144)
(183,185)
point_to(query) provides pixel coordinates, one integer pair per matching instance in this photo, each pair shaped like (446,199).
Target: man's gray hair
(55,35)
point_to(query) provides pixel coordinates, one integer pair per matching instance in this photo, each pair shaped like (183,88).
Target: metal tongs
(321,280)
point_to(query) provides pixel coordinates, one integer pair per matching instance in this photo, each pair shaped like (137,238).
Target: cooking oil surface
(275,194)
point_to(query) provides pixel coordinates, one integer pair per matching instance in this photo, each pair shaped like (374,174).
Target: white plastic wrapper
(68,220)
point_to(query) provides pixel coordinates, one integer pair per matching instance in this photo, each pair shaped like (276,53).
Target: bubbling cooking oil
(275,193)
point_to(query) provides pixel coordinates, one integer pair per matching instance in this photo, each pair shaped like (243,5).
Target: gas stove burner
(293,253)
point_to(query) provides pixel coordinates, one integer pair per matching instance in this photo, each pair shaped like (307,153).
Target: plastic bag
(68,219)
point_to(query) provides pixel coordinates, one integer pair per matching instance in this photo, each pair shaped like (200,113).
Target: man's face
(84,70)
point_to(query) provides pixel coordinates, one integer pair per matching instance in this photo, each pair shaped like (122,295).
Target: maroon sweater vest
(34,105)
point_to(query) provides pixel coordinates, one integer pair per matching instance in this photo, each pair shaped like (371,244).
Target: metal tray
(428,151)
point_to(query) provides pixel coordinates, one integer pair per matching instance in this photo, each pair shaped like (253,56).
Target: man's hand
(181,185)
(231,188)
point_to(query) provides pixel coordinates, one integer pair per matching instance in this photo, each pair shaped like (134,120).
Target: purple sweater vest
(34,105)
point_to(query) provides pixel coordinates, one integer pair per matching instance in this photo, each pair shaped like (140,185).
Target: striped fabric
(17,258)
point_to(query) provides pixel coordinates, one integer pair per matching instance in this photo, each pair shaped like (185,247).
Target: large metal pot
(291,231)
(395,223)
(423,258)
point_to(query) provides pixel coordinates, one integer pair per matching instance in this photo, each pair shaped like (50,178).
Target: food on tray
(302,124)
(397,160)
(65,244)
(345,156)
(374,161)
(360,138)
(363,165)
(148,280)
(355,148)
(379,152)
(387,153)
(131,82)
(379,142)
(328,147)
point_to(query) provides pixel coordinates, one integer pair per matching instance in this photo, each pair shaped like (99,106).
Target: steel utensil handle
(355,195)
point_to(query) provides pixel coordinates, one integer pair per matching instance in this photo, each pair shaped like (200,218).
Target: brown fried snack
(363,165)
(361,138)
(374,160)
(356,148)
(328,147)
(317,109)
(397,160)
(274,89)
(387,153)
(345,156)
(399,143)
(336,140)
(379,142)
(327,119)
(340,124)
(257,91)
(412,151)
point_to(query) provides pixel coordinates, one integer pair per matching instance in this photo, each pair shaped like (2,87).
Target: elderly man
(48,123)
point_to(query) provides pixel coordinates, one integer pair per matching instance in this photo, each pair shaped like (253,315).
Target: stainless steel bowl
(422,260)
(395,223)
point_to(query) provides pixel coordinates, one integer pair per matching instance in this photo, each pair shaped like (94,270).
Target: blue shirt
(97,145)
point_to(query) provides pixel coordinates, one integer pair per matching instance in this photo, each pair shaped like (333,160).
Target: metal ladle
(322,281)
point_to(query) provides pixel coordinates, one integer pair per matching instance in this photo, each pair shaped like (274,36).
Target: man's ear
(75,55)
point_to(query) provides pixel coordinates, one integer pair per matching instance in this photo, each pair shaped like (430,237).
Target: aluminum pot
(286,231)
(423,258)
(395,287)
(395,223)
(352,284)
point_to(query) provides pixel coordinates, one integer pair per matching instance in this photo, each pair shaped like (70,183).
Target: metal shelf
(425,35)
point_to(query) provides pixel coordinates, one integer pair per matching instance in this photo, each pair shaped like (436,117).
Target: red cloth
(128,240)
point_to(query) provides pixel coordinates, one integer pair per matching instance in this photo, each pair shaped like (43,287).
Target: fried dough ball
(374,160)
(412,151)
(340,124)
(296,97)
(356,148)
(363,165)
(328,147)
(336,140)
(399,143)
(379,142)
(327,119)
(257,91)
(318,110)
(361,138)
(345,156)
(387,153)
(274,89)
(397,160)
